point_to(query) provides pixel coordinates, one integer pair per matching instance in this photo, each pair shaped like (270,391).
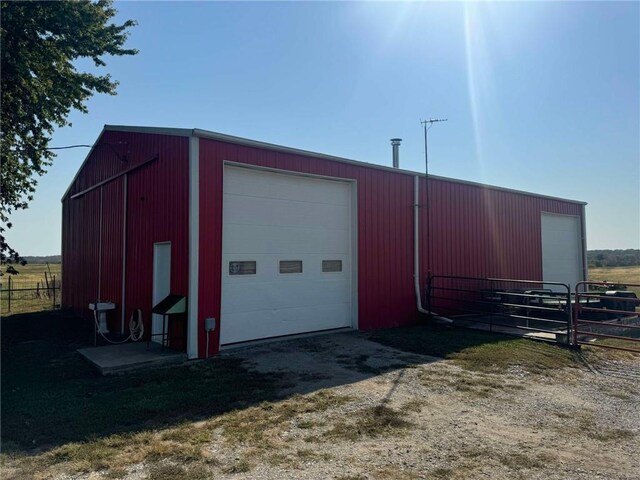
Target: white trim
(100,249)
(585,263)
(355,320)
(194,240)
(175,132)
(154,289)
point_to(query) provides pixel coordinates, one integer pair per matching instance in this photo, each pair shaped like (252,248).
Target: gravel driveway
(452,423)
(349,408)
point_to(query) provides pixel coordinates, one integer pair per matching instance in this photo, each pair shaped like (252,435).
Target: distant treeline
(613,258)
(47,259)
(596,258)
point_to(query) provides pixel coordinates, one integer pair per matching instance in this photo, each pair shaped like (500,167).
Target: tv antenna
(426,125)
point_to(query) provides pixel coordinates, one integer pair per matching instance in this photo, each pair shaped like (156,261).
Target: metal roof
(196,132)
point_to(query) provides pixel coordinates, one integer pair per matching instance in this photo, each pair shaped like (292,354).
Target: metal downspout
(416,253)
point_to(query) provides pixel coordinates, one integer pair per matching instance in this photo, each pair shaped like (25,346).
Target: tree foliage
(613,258)
(41,45)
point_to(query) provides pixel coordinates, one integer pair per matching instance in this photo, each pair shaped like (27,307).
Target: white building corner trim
(194,239)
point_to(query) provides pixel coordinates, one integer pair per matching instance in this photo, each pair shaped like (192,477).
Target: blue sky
(542,97)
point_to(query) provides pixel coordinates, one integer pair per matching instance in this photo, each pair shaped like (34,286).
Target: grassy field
(621,275)
(29,276)
(32,273)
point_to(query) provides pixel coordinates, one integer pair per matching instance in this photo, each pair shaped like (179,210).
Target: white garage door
(286,255)
(561,249)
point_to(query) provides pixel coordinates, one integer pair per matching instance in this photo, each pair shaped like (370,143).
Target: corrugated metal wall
(484,232)
(157,211)
(476,231)
(385,232)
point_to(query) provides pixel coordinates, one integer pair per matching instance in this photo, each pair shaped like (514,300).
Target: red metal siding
(157,210)
(385,232)
(111,259)
(476,231)
(483,232)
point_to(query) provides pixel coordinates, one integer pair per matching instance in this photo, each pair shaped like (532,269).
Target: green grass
(52,396)
(251,426)
(479,351)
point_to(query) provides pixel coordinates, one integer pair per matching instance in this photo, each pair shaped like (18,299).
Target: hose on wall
(136,327)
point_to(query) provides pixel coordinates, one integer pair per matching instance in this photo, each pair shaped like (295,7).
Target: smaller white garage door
(561,249)
(286,255)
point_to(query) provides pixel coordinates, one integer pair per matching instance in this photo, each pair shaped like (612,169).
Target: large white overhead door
(561,249)
(286,255)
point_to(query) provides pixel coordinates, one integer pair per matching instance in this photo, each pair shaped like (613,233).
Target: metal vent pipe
(395,145)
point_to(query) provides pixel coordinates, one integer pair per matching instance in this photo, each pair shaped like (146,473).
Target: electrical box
(209,324)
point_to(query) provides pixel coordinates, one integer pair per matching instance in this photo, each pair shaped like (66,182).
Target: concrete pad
(110,359)
(324,361)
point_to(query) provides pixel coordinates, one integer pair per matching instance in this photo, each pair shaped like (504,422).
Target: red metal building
(270,240)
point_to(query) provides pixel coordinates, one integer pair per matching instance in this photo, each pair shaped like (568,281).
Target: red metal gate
(607,315)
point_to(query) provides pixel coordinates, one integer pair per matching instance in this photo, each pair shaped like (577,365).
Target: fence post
(54,293)
(9,296)
(570,314)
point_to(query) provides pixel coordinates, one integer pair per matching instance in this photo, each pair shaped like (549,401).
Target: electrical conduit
(416,253)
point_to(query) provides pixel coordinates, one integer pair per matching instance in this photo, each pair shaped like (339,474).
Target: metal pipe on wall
(124,254)
(416,252)
(100,251)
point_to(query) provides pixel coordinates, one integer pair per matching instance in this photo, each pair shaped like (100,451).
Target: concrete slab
(110,359)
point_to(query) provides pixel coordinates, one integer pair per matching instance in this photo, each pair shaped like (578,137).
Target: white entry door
(561,249)
(286,255)
(161,282)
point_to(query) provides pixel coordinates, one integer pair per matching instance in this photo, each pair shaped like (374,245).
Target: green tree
(41,43)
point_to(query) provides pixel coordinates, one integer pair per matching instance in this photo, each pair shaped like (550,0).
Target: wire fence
(24,296)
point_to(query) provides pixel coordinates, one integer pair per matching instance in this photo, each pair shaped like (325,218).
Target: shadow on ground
(51,395)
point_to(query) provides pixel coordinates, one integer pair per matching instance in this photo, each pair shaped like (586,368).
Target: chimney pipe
(395,145)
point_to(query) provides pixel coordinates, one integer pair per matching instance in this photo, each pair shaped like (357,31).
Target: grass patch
(297,458)
(252,426)
(239,466)
(395,473)
(479,351)
(52,396)
(441,473)
(370,422)
(534,357)
(476,384)
(414,405)
(584,423)
(600,356)
(519,461)
(308,424)
(164,471)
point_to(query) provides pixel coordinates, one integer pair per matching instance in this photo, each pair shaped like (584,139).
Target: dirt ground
(353,409)
(451,423)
